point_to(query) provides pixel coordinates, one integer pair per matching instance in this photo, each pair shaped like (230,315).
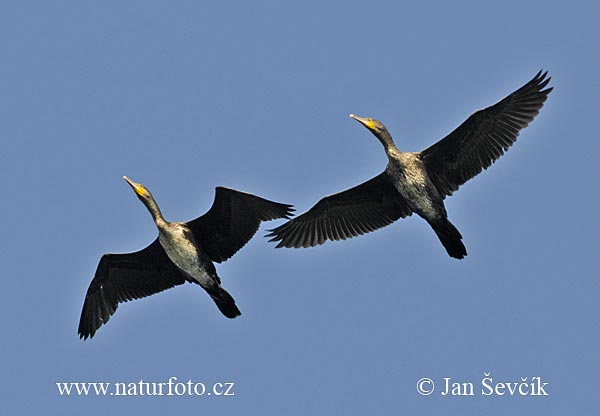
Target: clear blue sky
(185,96)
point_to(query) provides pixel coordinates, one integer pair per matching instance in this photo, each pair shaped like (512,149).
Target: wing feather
(123,277)
(359,210)
(232,221)
(484,136)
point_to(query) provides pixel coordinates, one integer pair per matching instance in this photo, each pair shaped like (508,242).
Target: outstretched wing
(123,277)
(484,136)
(359,210)
(232,221)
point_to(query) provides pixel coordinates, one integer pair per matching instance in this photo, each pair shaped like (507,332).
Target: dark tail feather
(450,238)
(224,301)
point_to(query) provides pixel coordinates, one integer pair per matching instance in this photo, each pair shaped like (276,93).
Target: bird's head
(140,190)
(145,196)
(370,123)
(376,127)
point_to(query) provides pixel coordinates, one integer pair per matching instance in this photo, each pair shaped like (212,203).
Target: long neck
(154,209)
(386,140)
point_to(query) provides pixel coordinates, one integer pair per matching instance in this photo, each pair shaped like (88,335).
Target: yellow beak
(138,188)
(364,121)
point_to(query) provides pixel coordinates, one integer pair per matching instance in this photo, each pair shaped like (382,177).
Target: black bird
(419,182)
(183,251)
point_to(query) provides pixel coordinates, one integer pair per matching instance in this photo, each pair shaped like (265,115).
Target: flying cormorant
(183,251)
(419,182)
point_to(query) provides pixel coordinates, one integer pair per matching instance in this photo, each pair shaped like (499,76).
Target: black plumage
(482,138)
(215,236)
(419,182)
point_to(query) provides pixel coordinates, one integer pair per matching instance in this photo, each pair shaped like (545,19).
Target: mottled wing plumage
(232,221)
(359,210)
(123,277)
(484,136)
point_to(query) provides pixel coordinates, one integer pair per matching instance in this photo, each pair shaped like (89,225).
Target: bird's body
(183,251)
(418,182)
(410,179)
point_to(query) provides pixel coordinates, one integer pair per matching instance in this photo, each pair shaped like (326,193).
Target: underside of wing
(484,136)
(359,210)
(233,220)
(123,277)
